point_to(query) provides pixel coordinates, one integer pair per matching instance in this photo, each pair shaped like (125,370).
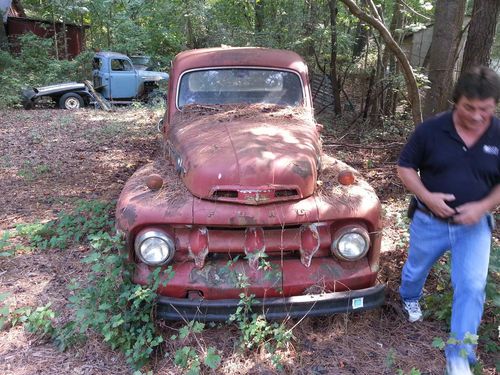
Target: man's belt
(428,212)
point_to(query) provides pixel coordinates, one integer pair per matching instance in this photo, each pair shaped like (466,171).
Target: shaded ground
(52,158)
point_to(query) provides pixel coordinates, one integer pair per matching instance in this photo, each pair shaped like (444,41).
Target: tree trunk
(333,58)
(443,54)
(54,25)
(481,33)
(411,82)
(309,26)
(391,96)
(4,42)
(108,29)
(259,17)
(65,38)
(360,38)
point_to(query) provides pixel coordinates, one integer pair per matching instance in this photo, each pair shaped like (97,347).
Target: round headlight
(352,243)
(154,247)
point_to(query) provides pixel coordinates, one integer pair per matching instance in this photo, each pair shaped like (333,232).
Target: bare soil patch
(52,158)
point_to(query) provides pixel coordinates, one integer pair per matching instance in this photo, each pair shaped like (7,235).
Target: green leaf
(91,258)
(198,327)
(438,343)
(4,311)
(212,360)
(470,338)
(183,332)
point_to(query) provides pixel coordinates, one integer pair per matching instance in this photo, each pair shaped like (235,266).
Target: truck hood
(147,75)
(250,155)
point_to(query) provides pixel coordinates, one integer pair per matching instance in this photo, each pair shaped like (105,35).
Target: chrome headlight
(154,247)
(351,243)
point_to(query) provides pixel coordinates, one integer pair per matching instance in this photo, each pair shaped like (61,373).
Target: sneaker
(413,310)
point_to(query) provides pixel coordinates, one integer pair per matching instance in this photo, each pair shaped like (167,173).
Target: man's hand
(470,213)
(436,202)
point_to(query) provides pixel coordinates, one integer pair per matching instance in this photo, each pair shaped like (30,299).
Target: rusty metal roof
(239,56)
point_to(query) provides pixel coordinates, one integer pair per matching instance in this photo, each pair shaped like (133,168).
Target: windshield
(140,60)
(240,85)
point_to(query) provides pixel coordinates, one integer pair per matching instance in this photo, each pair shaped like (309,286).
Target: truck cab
(115,77)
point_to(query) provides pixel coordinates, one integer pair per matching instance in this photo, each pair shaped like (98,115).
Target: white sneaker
(413,310)
(458,367)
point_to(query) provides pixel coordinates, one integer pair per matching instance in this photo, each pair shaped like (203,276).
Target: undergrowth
(34,66)
(108,303)
(439,304)
(123,313)
(89,218)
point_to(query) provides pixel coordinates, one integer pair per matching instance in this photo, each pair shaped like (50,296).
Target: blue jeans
(469,245)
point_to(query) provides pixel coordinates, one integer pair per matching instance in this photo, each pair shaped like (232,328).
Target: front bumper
(273,308)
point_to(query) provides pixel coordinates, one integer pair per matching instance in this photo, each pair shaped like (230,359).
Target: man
(451,164)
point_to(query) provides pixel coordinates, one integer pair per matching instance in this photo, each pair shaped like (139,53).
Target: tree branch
(411,82)
(414,11)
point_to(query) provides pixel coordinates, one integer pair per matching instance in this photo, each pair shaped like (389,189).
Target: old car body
(245,201)
(114,78)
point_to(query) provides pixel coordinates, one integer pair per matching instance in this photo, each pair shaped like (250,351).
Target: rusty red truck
(244,200)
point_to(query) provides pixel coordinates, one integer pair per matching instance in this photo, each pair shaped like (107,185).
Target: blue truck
(115,80)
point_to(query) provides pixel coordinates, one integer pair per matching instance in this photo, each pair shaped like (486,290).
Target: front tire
(71,100)
(156,99)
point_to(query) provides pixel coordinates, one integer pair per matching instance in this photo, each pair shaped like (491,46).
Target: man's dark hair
(480,82)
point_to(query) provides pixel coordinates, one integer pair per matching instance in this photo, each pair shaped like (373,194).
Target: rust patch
(173,191)
(212,276)
(130,215)
(302,168)
(243,220)
(329,270)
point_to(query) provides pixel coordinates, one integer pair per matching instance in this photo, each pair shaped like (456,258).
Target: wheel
(156,99)
(70,100)
(28,104)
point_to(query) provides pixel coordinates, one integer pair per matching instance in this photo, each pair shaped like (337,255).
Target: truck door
(122,79)
(100,77)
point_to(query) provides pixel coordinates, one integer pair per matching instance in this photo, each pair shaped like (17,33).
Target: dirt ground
(49,159)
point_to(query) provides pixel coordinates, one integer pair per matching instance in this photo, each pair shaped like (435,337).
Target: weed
(115,307)
(413,371)
(110,303)
(104,134)
(188,357)
(64,121)
(30,172)
(5,162)
(4,310)
(439,304)
(6,249)
(390,359)
(89,218)
(469,338)
(257,332)
(38,321)
(35,137)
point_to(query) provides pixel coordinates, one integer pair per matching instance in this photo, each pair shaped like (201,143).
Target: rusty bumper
(273,308)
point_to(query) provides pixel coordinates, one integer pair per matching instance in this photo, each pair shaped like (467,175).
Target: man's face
(474,113)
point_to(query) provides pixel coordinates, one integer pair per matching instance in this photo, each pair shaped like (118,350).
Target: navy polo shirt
(447,165)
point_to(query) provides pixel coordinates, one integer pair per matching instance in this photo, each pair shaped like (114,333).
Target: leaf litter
(52,158)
